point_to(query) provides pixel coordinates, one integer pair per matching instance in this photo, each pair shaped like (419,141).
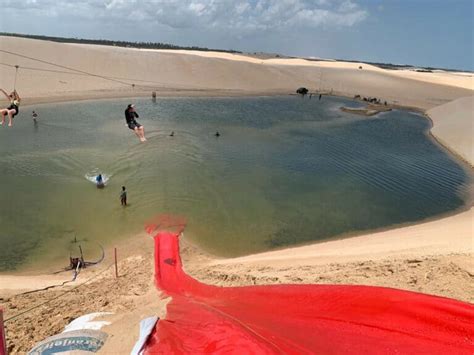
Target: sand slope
(208,72)
(444,236)
(453,126)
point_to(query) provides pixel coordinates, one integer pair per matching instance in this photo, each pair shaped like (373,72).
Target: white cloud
(237,17)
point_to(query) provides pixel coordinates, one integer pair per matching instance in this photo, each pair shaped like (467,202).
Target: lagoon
(285,171)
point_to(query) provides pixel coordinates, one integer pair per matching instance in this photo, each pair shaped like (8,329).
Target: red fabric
(301,319)
(3,343)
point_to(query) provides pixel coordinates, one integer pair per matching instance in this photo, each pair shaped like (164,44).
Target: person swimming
(14,107)
(99,181)
(217,134)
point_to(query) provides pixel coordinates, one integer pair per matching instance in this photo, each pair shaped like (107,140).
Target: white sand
(209,73)
(451,235)
(442,249)
(450,120)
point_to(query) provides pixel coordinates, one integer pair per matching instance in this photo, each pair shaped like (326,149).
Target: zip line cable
(67,68)
(82,72)
(16,74)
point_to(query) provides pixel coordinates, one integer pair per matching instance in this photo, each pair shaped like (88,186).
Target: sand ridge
(449,120)
(208,72)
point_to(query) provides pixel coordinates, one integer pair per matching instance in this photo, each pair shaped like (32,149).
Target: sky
(436,33)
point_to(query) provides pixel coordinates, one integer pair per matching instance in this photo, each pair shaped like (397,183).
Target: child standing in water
(123,197)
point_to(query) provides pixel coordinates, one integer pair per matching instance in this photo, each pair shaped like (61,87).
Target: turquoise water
(284,171)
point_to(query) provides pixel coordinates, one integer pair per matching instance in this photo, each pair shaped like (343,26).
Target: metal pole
(82,257)
(16,73)
(116,268)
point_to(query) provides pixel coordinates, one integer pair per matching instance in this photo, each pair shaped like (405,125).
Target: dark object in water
(75,262)
(99,181)
(172,134)
(302,91)
(217,134)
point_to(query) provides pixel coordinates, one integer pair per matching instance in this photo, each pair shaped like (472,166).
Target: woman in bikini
(13,109)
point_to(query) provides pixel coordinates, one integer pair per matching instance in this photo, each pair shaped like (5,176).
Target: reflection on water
(284,171)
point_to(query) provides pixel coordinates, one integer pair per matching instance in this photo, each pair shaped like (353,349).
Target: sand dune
(413,241)
(453,126)
(208,73)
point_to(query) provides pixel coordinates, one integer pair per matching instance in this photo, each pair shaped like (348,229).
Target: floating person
(99,181)
(34,115)
(13,109)
(123,196)
(172,134)
(217,134)
(130,115)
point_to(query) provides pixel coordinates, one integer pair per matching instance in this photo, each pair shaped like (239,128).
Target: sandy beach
(432,257)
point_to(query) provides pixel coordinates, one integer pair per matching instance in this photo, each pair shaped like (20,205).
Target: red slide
(301,319)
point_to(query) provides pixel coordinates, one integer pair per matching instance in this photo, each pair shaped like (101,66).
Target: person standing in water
(130,115)
(14,107)
(34,115)
(123,197)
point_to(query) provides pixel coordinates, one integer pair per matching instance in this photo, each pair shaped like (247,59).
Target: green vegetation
(105,42)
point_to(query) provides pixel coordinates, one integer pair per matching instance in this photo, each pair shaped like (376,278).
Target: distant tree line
(404,66)
(389,66)
(105,42)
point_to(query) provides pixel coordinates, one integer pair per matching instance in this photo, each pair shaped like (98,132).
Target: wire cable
(67,68)
(58,296)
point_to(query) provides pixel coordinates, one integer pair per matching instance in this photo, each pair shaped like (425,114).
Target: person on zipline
(13,109)
(130,115)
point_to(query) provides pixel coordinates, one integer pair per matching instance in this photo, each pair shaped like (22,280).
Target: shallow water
(284,171)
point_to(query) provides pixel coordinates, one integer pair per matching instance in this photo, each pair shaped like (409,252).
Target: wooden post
(3,342)
(116,269)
